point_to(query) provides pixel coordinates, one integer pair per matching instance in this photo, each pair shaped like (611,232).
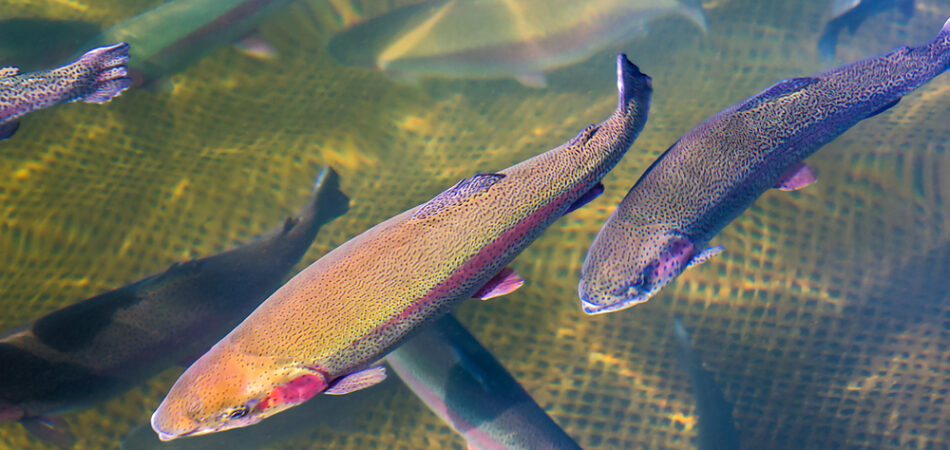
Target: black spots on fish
(74,327)
(776,91)
(455,195)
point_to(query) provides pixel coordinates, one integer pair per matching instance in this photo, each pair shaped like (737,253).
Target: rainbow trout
(717,169)
(322,330)
(87,352)
(96,77)
(460,381)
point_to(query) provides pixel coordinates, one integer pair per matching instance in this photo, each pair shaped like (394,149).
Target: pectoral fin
(505,282)
(7,129)
(704,256)
(357,380)
(796,178)
(255,46)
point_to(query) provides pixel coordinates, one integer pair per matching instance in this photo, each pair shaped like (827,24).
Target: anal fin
(886,107)
(588,196)
(7,129)
(505,282)
(799,176)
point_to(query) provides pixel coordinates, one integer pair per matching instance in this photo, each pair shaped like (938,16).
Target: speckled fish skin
(354,305)
(717,169)
(115,340)
(96,77)
(460,381)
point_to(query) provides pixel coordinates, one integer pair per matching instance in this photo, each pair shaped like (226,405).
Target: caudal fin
(108,63)
(632,85)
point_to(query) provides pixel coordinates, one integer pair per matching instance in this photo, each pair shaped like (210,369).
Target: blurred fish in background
(851,14)
(167,38)
(472,392)
(520,39)
(717,428)
(99,347)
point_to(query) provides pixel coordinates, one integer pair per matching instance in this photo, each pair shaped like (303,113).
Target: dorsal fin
(777,90)
(456,194)
(583,136)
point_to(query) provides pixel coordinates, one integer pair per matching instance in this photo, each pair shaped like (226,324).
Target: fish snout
(600,298)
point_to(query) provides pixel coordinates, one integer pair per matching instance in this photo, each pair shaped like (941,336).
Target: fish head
(627,265)
(222,391)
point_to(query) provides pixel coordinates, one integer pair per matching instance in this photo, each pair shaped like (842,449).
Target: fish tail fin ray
(112,76)
(632,84)
(327,193)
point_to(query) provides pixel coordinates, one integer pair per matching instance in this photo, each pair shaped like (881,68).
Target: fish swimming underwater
(321,330)
(851,14)
(718,168)
(99,347)
(470,390)
(96,77)
(167,38)
(499,38)
(717,427)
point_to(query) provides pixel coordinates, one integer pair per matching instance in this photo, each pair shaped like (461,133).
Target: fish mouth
(607,303)
(165,437)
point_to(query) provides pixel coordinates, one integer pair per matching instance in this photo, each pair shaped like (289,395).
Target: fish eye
(237,413)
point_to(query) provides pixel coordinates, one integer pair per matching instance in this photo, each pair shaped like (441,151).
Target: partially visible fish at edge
(113,341)
(472,392)
(717,427)
(717,170)
(850,14)
(96,77)
(323,330)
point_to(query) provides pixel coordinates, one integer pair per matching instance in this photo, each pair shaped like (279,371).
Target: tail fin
(327,196)
(108,63)
(693,10)
(632,85)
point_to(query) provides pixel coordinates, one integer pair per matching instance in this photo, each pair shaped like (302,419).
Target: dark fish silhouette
(717,428)
(99,347)
(851,14)
(471,391)
(96,77)
(717,170)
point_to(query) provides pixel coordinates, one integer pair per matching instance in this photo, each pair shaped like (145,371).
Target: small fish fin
(505,282)
(458,193)
(357,380)
(255,46)
(799,176)
(704,256)
(53,430)
(9,71)
(886,107)
(693,10)
(588,196)
(112,76)
(583,136)
(777,90)
(535,80)
(7,129)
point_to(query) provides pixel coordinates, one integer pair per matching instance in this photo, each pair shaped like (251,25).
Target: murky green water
(825,320)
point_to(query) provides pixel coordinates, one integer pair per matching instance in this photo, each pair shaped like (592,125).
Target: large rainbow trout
(326,326)
(717,169)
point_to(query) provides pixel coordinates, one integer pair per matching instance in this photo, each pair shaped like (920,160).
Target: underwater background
(826,321)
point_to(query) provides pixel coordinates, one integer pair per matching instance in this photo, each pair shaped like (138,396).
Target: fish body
(350,308)
(850,14)
(470,390)
(717,170)
(167,38)
(717,428)
(522,39)
(91,350)
(96,77)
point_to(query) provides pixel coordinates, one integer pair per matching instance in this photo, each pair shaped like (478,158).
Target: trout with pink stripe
(323,330)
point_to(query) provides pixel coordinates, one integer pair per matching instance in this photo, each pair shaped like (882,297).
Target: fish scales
(354,305)
(716,170)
